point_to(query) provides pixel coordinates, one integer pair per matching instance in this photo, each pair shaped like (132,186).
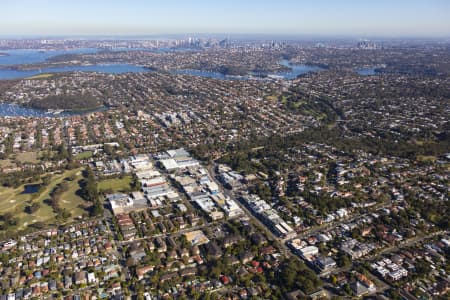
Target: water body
(367,71)
(208,74)
(101,68)
(296,70)
(31,56)
(31,188)
(35,56)
(14,110)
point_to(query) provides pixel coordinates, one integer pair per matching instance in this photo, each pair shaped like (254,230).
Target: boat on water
(55,111)
(275,76)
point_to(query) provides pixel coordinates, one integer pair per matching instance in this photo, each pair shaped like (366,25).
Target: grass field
(272,98)
(84,155)
(71,201)
(6,163)
(12,200)
(115,184)
(419,142)
(41,76)
(426,158)
(27,157)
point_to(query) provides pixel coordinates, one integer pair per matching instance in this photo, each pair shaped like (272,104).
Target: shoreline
(55,112)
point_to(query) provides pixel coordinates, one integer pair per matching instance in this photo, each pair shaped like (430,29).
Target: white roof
(212,186)
(169,164)
(177,152)
(309,250)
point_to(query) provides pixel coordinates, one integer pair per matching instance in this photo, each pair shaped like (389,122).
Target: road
(315,229)
(405,244)
(178,233)
(382,286)
(286,251)
(310,231)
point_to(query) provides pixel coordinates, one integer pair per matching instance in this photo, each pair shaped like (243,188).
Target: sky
(383,18)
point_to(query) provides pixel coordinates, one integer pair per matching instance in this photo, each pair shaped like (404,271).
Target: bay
(15,110)
(295,70)
(31,56)
(366,71)
(101,68)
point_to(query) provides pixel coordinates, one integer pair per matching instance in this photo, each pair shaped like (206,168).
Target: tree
(97,208)
(343,260)
(31,209)
(422,268)
(393,294)
(308,286)
(297,276)
(8,144)
(61,152)
(88,185)
(347,289)
(109,149)
(135,183)
(9,219)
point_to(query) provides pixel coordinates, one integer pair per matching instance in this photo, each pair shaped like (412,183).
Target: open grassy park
(42,76)
(27,157)
(14,201)
(30,157)
(115,184)
(23,158)
(426,158)
(84,155)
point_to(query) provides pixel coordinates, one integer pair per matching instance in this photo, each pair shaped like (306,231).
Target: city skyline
(290,18)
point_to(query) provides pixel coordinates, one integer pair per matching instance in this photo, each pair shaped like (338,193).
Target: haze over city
(413,18)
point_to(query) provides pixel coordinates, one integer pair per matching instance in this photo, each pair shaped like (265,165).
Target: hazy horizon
(323,18)
(234,36)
